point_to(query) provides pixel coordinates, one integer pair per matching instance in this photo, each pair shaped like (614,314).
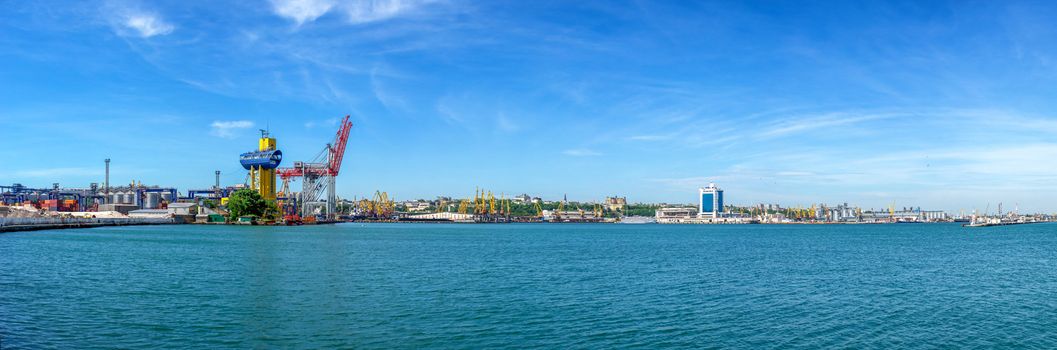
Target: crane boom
(338,150)
(335,152)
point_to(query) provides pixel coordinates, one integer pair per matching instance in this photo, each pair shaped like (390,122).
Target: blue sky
(945,105)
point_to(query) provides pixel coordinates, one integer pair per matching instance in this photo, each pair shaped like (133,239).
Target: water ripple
(530,286)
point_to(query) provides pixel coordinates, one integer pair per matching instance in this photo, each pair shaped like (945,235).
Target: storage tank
(153,199)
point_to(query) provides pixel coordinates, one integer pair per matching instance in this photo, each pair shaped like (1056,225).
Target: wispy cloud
(301,11)
(356,11)
(148,25)
(134,21)
(581,152)
(323,123)
(227,128)
(798,125)
(390,100)
(504,123)
(365,11)
(650,137)
(446,112)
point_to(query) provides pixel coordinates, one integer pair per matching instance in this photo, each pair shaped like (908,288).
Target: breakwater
(35,224)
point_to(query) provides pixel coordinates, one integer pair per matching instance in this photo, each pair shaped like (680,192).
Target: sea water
(588,286)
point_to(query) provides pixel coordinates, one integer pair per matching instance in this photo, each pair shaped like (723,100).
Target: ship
(637,220)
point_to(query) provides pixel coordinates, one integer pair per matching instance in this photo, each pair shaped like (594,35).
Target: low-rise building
(183,208)
(675,213)
(416,206)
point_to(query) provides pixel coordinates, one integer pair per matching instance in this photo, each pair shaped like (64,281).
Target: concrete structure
(710,201)
(261,165)
(571,216)
(905,215)
(150,214)
(675,213)
(692,216)
(183,209)
(120,208)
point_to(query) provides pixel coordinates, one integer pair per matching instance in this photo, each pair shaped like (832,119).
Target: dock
(38,224)
(1002,223)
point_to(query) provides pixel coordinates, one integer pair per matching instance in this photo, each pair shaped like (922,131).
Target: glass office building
(711,201)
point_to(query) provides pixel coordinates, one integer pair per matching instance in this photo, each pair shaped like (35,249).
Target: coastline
(62,224)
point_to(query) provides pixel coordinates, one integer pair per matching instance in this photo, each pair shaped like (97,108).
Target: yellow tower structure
(261,165)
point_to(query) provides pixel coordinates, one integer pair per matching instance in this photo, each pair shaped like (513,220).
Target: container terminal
(316,202)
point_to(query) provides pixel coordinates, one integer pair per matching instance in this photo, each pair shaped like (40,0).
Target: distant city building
(675,213)
(416,206)
(710,201)
(616,203)
(523,198)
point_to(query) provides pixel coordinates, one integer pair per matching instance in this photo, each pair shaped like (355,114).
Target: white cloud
(365,11)
(227,128)
(797,125)
(324,123)
(357,11)
(580,152)
(650,137)
(146,25)
(301,11)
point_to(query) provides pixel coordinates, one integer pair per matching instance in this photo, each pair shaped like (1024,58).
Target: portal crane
(319,175)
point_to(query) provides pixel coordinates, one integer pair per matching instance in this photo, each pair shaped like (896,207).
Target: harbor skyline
(937,106)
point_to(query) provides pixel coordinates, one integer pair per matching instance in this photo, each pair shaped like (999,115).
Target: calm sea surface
(530,286)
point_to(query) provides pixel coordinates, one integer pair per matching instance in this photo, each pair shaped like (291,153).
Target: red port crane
(319,175)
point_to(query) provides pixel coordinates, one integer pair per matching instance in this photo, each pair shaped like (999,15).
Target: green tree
(271,211)
(246,202)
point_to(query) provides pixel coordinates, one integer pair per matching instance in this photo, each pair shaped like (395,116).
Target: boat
(637,220)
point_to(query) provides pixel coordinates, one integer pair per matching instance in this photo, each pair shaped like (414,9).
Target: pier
(36,224)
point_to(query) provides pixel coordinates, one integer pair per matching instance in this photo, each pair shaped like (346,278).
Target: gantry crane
(319,175)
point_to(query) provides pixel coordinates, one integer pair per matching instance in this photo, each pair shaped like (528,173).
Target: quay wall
(31,224)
